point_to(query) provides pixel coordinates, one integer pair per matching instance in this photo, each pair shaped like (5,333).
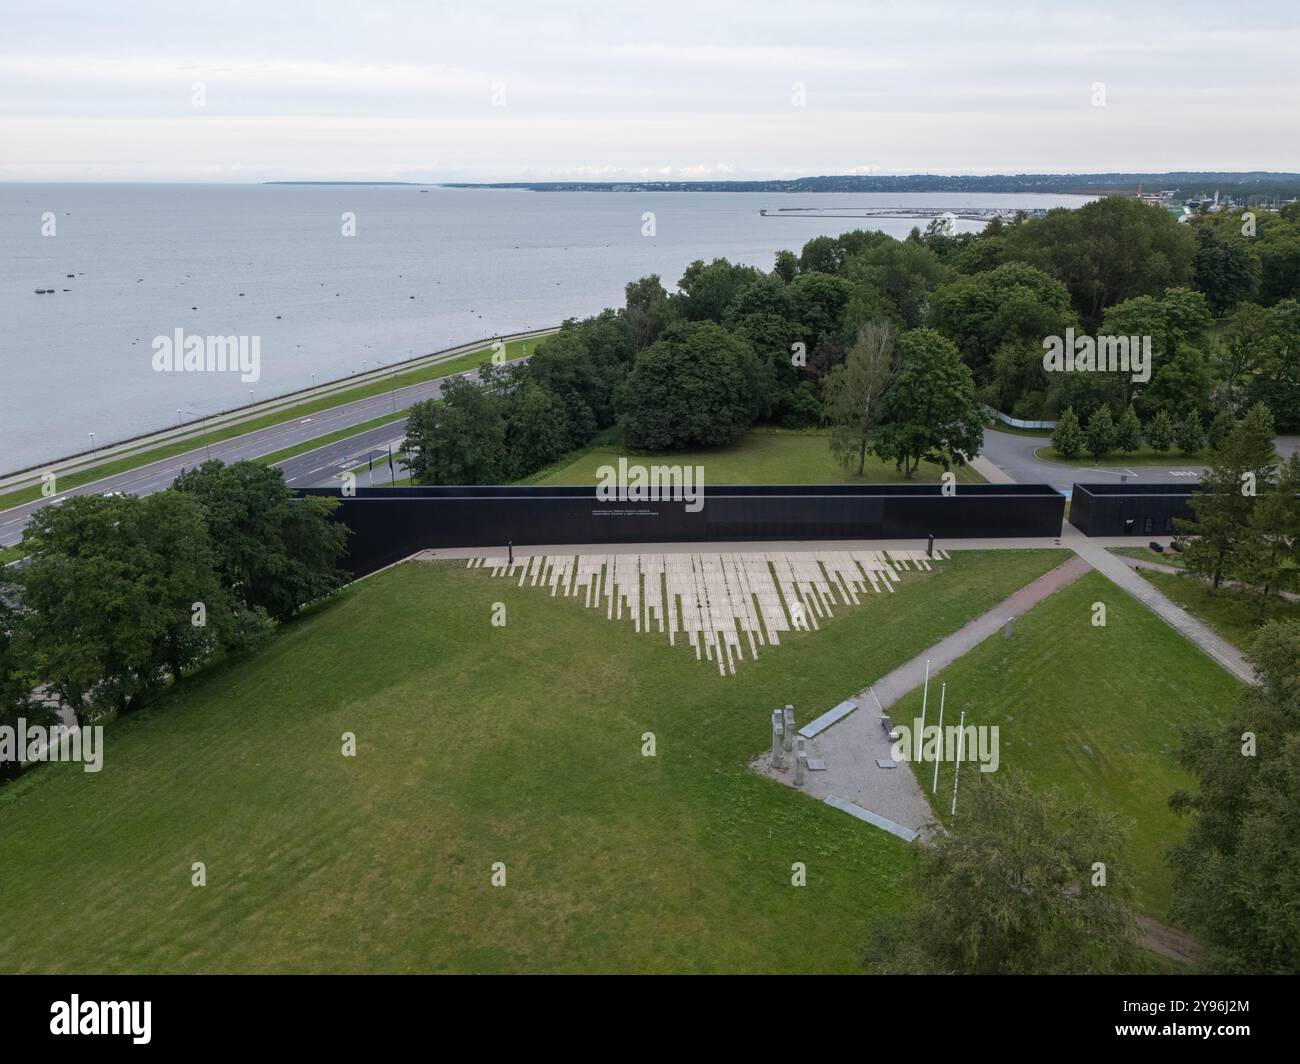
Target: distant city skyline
(236,91)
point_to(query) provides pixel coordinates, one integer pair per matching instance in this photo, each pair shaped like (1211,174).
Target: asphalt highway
(311,469)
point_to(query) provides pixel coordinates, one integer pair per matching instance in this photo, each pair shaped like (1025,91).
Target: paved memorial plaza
(720,602)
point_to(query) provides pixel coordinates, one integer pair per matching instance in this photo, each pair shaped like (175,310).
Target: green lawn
(1232,612)
(460,364)
(477,744)
(1094,711)
(1146,554)
(763,456)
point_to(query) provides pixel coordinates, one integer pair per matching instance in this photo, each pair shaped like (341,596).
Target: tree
(1160,432)
(819,304)
(1220,429)
(1014,304)
(907,272)
(1234,476)
(853,393)
(1013,890)
(707,291)
(1128,432)
(1268,554)
(930,412)
(1237,870)
(1224,271)
(91,604)
(16,682)
(460,439)
(786,266)
(648,309)
(1191,436)
(537,430)
(274,552)
(1106,251)
(822,254)
(694,386)
(1101,433)
(195,614)
(1068,436)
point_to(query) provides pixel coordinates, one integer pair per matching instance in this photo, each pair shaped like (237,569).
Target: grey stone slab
(816,764)
(828,718)
(836,802)
(886,762)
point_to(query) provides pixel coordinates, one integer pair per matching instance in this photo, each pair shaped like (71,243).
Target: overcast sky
(546,89)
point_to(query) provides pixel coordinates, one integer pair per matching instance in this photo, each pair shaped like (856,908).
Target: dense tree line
(1247,513)
(733,345)
(1236,877)
(120,596)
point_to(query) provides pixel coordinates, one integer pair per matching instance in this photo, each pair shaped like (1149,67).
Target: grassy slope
(1231,612)
(1095,711)
(760,457)
(477,744)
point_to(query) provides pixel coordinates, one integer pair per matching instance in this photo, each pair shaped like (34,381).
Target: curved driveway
(1014,455)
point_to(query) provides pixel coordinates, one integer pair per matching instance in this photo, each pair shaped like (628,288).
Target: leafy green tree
(1068,437)
(695,386)
(1224,271)
(537,430)
(1279,269)
(1160,432)
(905,271)
(786,266)
(822,254)
(1106,252)
(91,607)
(1128,432)
(196,618)
(648,308)
(274,552)
(1180,383)
(707,290)
(1191,436)
(1237,870)
(1220,429)
(1267,557)
(1101,433)
(460,439)
(819,301)
(930,412)
(853,394)
(16,682)
(1276,378)
(1013,890)
(1234,476)
(1012,304)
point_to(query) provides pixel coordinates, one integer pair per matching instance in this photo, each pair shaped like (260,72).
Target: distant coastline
(1245,183)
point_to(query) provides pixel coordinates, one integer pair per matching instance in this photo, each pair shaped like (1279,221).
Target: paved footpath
(852,747)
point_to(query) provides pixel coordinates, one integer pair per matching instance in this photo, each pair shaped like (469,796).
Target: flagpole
(961,747)
(943,691)
(920,739)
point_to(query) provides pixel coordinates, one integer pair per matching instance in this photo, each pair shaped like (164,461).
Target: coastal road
(1014,455)
(305,470)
